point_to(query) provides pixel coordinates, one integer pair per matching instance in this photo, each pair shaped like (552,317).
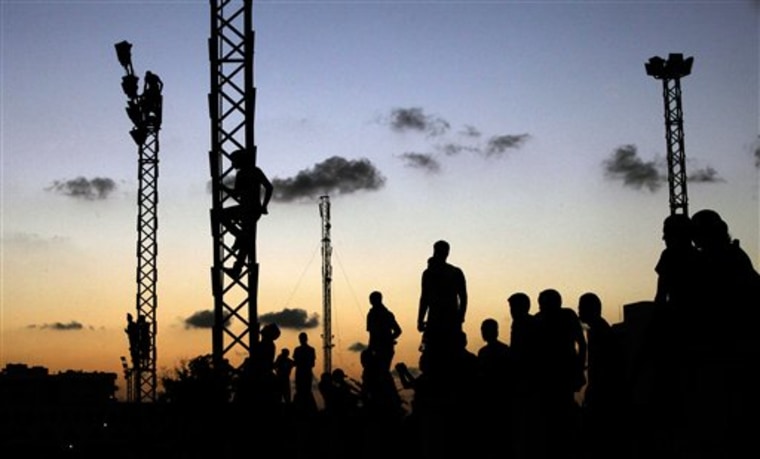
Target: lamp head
(124,53)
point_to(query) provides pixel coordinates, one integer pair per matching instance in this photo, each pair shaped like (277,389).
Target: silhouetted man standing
(383,330)
(304,358)
(443,304)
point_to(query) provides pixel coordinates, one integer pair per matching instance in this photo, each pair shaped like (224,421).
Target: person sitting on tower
(151,102)
(249,181)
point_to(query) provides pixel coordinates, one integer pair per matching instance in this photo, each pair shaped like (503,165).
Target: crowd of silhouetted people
(566,384)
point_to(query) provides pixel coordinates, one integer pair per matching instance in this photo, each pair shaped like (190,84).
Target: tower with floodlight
(670,72)
(144,109)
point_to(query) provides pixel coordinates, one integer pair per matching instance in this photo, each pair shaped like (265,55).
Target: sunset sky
(527,134)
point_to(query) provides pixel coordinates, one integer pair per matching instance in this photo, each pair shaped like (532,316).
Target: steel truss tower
(671,72)
(324,212)
(231,108)
(145,112)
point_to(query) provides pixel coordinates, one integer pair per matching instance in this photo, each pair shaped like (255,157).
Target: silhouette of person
(380,398)
(602,395)
(383,330)
(133,335)
(524,347)
(442,306)
(728,299)
(263,358)
(495,368)
(494,358)
(143,338)
(304,358)
(283,368)
(151,101)
(249,182)
(727,278)
(345,395)
(673,328)
(562,354)
(523,339)
(675,267)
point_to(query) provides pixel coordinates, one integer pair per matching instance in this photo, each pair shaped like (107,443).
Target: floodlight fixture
(675,67)
(139,135)
(134,113)
(124,53)
(129,86)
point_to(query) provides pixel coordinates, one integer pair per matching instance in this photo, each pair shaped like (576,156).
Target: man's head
(589,307)
(441,250)
(376,298)
(519,304)
(489,330)
(549,300)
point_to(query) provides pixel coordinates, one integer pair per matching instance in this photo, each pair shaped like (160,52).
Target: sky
(526,134)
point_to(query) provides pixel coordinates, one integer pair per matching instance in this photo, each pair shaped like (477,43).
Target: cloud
(451,149)
(296,319)
(415,119)
(757,152)
(499,144)
(470,131)
(706,175)
(202,319)
(83,188)
(333,175)
(60,326)
(357,347)
(624,164)
(421,161)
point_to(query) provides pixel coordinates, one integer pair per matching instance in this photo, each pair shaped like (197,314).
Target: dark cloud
(334,175)
(706,175)
(470,131)
(415,119)
(451,149)
(202,319)
(83,188)
(60,326)
(357,347)
(625,164)
(757,151)
(297,319)
(421,161)
(499,144)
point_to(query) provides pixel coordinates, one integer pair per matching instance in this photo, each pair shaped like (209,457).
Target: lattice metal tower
(671,72)
(232,101)
(324,212)
(145,111)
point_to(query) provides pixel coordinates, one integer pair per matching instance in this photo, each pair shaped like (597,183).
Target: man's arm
(268,191)
(395,328)
(423,306)
(421,312)
(462,296)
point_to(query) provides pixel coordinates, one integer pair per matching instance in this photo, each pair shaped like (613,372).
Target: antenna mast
(324,212)
(144,110)
(671,72)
